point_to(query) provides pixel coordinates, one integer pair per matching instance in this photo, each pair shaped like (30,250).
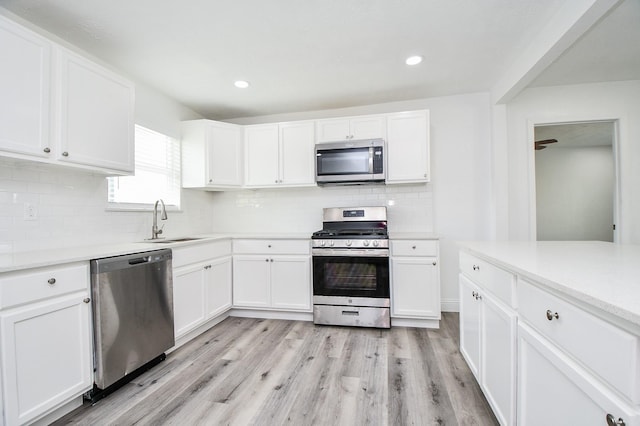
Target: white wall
(574,193)
(618,101)
(455,204)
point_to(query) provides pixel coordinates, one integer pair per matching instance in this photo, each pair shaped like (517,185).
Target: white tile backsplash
(409,207)
(71,210)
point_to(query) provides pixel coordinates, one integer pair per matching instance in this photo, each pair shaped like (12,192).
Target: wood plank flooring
(272,372)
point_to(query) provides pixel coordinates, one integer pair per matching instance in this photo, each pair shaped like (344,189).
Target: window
(157,173)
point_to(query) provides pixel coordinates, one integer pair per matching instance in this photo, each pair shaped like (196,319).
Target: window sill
(125,207)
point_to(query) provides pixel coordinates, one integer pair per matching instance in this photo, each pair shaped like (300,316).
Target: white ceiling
(577,135)
(302,55)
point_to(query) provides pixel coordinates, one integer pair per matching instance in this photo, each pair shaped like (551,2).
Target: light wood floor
(272,372)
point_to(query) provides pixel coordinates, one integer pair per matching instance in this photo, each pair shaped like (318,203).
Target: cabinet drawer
(29,286)
(200,252)
(496,280)
(414,248)
(605,349)
(271,246)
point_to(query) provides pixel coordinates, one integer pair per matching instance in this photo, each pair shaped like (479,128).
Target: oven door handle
(350,252)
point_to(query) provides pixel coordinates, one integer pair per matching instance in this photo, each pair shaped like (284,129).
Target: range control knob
(323,243)
(349,243)
(332,243)
(376,243)
(365,243)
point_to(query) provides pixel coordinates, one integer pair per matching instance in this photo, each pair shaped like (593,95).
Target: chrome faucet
(163,216)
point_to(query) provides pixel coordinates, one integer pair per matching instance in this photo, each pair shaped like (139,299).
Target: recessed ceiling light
(413,60)
(241,84)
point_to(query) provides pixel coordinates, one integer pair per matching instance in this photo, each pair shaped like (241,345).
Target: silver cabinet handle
(413,247)
(476,267)
(611,421)
(47,150)
(266,260)
(552,315)
(271,260)
(269,246)
(51,281)
(87,300)
(65,154)
(434,263)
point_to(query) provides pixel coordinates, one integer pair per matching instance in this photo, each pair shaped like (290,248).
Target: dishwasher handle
(138,260)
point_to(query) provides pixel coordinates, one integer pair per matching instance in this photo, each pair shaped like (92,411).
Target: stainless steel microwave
(350,162)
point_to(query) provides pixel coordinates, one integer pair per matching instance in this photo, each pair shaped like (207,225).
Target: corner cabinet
(201,286)
(280,154)
(211,155)
(408,147)
(60,108)
(272,274)
(45,335)
(415,283)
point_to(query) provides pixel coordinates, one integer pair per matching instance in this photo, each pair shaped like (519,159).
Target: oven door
(351,273)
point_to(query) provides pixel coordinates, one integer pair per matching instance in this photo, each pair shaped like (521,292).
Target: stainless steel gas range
(351,268)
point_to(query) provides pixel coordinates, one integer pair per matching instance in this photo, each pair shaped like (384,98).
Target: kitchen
(472,164)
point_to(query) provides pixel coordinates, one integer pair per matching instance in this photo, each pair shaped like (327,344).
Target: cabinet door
(46,356)
(224,155)
(415,286)
(499,358)
(188,298)
(368,127)
(24,90)
(291,282)
(333,130)
(218,287)
(297,143)
(261,145)
(470,310)
(554,391)
(251,281)
(408,147)
(96,122)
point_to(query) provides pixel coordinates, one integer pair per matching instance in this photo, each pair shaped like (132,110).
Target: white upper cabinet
(25,88)
(408,147)
(58,107)
(340,129)
(211,155)
(279,154)
(96,114)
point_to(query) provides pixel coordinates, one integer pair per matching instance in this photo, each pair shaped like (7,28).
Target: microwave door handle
(371,149)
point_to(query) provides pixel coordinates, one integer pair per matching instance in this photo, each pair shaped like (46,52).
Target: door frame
(619,124)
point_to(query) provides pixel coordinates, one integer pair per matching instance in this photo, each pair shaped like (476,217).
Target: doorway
(575,178)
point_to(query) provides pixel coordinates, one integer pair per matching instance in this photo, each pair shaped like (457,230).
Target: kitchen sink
(173,240)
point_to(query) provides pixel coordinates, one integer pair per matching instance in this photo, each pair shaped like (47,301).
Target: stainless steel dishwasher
(132,316)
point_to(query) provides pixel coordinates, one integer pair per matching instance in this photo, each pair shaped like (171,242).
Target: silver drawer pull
(552,315)
(51,281)
(351,313)
(611,421)
(65,154)
(47,150)
(476,267)
(87,300)
(413,247)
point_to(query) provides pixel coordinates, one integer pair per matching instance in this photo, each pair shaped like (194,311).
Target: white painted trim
(58,412)
(270,314)
(450,305)
(619,124)
(198,331)
(414,322)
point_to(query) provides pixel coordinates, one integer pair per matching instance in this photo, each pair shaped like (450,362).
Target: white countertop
(413,236)
(603,275)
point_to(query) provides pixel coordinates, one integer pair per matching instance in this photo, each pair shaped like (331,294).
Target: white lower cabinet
(553,390)
(45,336)
(488,344)
(540,358)
(201,284)
(264,277)
(415,281)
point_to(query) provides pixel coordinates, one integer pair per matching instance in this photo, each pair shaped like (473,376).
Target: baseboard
(269,314)
(450,305)
(414,322)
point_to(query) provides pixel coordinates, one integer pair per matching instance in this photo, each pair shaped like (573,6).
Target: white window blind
(157,172)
